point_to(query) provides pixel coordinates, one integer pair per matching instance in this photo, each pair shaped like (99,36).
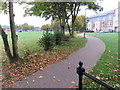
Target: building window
(89,25)
(103,18)
(109,23)
(103,24)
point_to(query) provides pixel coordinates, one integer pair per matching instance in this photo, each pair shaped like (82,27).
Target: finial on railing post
(80,64)
(80,71)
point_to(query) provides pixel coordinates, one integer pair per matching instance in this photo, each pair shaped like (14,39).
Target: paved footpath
(63,74)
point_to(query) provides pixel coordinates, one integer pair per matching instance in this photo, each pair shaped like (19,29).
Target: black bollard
(80,71)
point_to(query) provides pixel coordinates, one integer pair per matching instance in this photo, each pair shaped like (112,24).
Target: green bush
(67,37)
(47,41)
(26,51)
(58,38)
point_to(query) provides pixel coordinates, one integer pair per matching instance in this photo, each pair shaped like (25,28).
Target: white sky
(38,21)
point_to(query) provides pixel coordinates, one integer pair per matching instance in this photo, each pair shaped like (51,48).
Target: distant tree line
(79,26)
(24,27)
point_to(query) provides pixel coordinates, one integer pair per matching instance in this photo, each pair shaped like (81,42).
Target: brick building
(108,20)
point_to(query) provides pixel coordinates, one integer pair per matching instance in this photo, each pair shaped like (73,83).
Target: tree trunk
(63,25)
(69,28)
(6,45)
(13,33)
(73,25)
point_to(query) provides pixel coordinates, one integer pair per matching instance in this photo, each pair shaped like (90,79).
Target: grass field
(26,40)
(107,67)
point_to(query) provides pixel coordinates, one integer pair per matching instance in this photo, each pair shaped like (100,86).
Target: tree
(31,27)
(56,10)
(18,27)
(46,27)
(11,56)
(74,8)
(25,27)
(80,24)
(55,25)
(59,10)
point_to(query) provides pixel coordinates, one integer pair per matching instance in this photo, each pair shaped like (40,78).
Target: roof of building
(102,14)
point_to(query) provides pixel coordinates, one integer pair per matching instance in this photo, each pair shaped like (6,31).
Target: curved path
(63,74)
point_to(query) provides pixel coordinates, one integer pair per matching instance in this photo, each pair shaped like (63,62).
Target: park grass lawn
(37,60)
(107,67)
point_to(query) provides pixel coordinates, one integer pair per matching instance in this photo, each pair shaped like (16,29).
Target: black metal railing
(81,72)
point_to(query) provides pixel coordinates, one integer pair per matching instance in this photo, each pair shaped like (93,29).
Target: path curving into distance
(63,74)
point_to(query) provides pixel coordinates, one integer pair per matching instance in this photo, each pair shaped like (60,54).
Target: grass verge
(107,67)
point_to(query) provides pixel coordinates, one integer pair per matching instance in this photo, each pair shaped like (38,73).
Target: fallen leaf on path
(54,80)
(54,76)
(73,82)
(58,80)
(70,86)
(41,69)
(40,76)
(27,82)
(33,80)
(68,67)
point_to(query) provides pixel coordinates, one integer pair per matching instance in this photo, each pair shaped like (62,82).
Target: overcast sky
(38,21)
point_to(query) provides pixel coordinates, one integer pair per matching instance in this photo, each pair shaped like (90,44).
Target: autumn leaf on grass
(118,59)
(101,73)
(97,77)
(116,70)
(118,85)
(118,66)
(70,86)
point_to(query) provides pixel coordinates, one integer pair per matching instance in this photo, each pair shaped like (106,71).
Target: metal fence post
(80,71)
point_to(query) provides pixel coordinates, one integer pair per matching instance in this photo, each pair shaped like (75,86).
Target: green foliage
(46,27)
(31,27)
(60,11)
(58,38)
(47,41)
(55,25)
(4,7)
(26,52)
(8,76)
(25,27)
(67,37)
(80,23)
